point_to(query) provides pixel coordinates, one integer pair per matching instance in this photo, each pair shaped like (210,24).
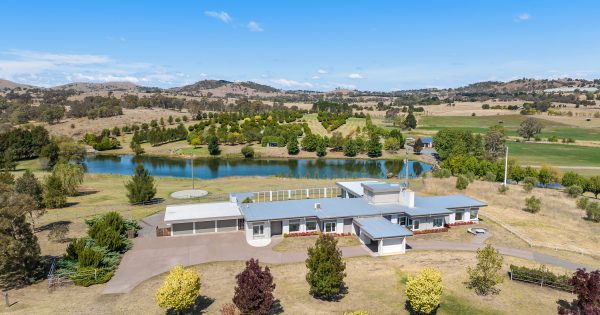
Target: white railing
(297,194)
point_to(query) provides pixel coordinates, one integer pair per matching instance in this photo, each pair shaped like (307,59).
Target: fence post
(95,274)
(5,293)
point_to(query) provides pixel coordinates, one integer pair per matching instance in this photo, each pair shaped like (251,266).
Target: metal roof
(355,187)
(383,187)
(202,211)
(379,227)
(426,139)
(447,202)
(413,212)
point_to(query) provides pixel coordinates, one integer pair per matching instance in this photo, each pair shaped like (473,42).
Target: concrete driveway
(151,256)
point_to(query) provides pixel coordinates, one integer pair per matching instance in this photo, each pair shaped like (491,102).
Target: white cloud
(254,27)
(523,17)
(321,71)
(355,76)
(316,77)
(292,83)
(67,59)
(222,15)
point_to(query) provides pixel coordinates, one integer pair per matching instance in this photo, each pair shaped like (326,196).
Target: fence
(163,231)
(297,194)
(540,281)
(59,279)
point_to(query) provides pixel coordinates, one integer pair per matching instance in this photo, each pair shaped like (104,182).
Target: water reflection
(214,168)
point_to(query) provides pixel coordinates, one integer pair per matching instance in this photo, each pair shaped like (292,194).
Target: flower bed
(444,229)
(296,234)
(461,223)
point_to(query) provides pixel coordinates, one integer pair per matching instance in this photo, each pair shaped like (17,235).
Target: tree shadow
(52,225)
(87,192)
(567,305)
(411,311)
(202,303)
(277,308)
(333,298)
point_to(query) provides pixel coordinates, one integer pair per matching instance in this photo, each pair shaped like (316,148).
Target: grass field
(555,154)
(376,285)
(299,244)
(480,124)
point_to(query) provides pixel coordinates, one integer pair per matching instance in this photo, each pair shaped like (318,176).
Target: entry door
(276,227)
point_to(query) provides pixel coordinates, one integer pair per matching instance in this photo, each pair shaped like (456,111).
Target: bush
(470,176)
(325,268)
(424,292)
(87,276)
(229,309)
(462,182)
(248,152)
(533,204)
(592,211)
(180,289)
(441,173)
(503,189)
(582,202)
(59,232)
(89,257)
(358,312)
(530,180)
(490,177)
(527,187)
(574,191)
(542,274)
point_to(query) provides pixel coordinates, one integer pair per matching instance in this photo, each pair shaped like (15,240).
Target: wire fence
(58,279)
(540,281)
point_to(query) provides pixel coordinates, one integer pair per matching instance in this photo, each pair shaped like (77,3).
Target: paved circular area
(189,194)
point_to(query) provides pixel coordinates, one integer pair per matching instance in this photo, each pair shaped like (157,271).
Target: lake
(215,168)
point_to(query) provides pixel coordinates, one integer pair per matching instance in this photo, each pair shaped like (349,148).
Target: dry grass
(374,284)
(300,244)
(559,224)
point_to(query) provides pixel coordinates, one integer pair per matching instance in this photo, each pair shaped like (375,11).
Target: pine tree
(141,187)
(20,254)
(418,146)
(321,148)
(31,186)
(7,178)
(410,122)
(325,268)
(254,289)
(54,192)
(213,145)
(374,147)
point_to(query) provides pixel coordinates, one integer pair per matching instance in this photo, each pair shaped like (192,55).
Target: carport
(203,218)
(382,236)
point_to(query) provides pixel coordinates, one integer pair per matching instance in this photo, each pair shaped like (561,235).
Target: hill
(227,88)
(524,85)
(10,85)
(86,87)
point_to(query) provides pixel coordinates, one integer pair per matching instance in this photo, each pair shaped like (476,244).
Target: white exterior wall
(339,226)
(286,227)
(249,230)
(392,246)
(385,197)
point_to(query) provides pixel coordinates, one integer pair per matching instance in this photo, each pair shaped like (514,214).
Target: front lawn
(302,243)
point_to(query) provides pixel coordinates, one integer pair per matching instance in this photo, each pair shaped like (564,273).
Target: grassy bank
(555,154)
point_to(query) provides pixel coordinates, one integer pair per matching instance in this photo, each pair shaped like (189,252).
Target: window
(410,223)
(458,216)
(473,215)
(438,222)
(258,229)
(330,227)
(311,226)
(402,221)
(294,226)
(415,224)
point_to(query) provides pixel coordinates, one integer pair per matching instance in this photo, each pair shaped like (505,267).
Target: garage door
(205,227)
(227,225)
(183,228)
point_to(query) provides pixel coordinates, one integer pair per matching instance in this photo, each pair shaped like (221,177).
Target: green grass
(452,304)
(481,124)
(555,154)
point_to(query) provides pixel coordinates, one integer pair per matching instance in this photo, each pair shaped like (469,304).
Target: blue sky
(316,45)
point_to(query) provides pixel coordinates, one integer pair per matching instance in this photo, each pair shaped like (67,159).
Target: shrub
(229,309)
(254,289)
(574,191)
(180,289)
(89,257)
(490,177)
(541,274)
(484,277)
(248,152)
(441,173)
(503,189)
(424,291)
(74,248)
(462,182)
(325,268)
(530,180)
(527,187)
(470,176)
(582,202)
(592,211)
(59,232)
(87,276)
(586,286)
(358,312)
(533,204)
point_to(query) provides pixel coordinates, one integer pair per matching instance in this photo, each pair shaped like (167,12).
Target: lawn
(481,124)
(555,154)
(376,285)
(298,244)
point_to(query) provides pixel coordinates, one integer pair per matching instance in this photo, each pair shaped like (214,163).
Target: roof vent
(317,206)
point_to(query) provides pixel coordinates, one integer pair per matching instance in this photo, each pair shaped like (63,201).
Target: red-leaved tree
(254,289)
(587,287)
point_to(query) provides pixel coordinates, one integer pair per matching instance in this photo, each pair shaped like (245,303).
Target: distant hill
(223,88)
(10,85)
(524,85)
(86,87)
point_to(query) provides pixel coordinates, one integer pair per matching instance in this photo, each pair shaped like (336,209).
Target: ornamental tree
(486,274)
(254,289)
(587,287)
(424,291)
(180,289)
(325,268)
(141,186)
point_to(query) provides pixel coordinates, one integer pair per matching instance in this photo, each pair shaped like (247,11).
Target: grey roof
(413,212)
(329,208)
(380,227)
(355,187)
(448,202)
(240,196)
(382,187)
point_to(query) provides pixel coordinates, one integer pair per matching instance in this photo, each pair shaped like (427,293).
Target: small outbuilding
(382,236)
(204,218)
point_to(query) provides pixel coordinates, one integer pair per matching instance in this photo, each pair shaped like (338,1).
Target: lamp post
(506,166)
(193,187)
